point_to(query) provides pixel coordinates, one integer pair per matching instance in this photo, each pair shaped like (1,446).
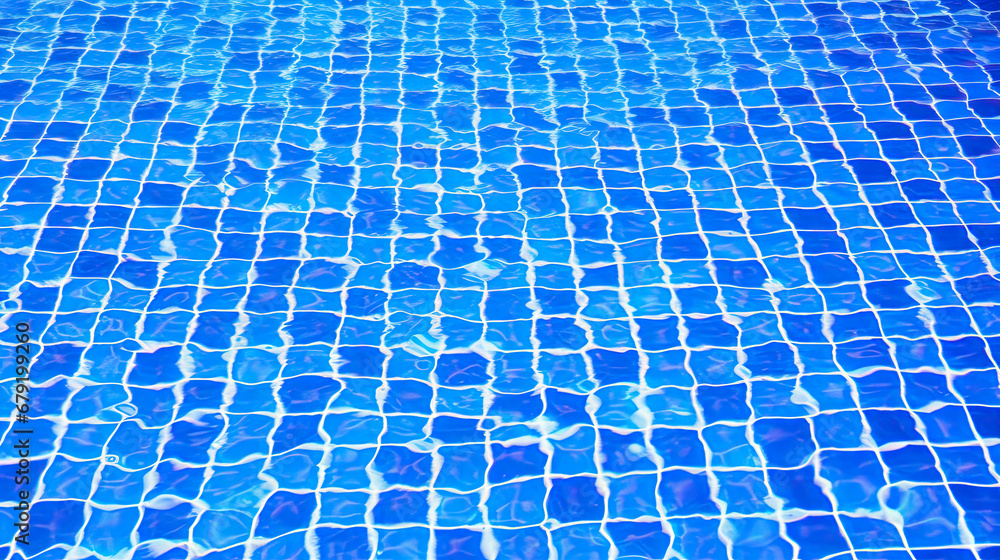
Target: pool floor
(519,280)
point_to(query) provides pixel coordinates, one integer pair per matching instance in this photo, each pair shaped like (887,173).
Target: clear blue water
(525,280)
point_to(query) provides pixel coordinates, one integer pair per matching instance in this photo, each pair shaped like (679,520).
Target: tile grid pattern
(507,281)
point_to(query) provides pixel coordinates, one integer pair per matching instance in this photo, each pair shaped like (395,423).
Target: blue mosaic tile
(504,279)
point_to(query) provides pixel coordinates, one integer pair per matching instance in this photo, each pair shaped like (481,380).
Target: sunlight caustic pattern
(534,279)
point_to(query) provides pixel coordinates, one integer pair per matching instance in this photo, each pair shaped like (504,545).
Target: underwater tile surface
(502,280)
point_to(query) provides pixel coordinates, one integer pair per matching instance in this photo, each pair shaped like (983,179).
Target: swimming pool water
(531,279)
